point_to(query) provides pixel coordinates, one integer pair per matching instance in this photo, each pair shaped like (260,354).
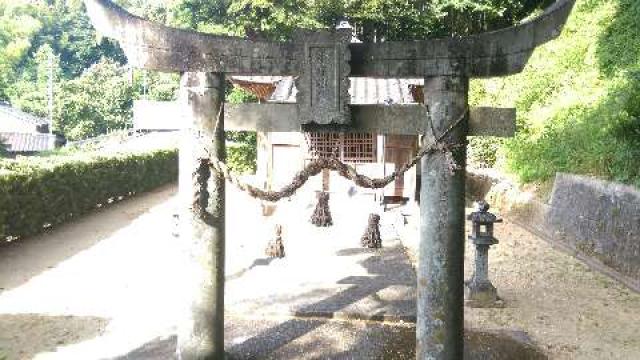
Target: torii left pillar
(202,193)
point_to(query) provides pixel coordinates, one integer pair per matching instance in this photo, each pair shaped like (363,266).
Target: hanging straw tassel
(275,248)
(371,238)
(322,215)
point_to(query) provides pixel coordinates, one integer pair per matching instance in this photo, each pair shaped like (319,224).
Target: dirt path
(105,284)
(568,309)
(70,285)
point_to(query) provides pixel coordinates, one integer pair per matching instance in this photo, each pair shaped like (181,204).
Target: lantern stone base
(481,294)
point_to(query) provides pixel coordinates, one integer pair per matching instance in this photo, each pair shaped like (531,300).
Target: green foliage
(241,145)
(27,26)
(29,92)
(242,151)
(482,151)
(155,85)
(37,193)
(100,99)
(374,20)
(241,158)
(196,14)
(618,48)
(17,27)
(238,95)
(66,28)
(578,100)
(276,19)
(377,20)
(34,32)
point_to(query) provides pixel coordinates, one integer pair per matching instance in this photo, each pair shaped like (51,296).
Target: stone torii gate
(322,62)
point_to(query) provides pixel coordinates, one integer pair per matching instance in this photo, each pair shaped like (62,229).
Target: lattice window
(359,148)
(353,148)
(323,145)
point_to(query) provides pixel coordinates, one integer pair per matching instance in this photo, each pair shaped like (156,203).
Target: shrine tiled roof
(260,86)
(363,90)
(369,91)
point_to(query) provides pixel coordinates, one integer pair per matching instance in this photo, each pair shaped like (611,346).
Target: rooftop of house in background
(26,143)
(14,120)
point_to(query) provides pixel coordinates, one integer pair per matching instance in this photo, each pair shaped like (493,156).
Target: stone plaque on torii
(322,62)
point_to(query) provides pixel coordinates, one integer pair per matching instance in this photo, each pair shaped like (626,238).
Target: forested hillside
(578,100)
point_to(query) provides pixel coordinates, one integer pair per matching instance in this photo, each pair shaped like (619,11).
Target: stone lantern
(479,291)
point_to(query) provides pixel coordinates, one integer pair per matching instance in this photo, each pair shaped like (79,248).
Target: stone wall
(594,220)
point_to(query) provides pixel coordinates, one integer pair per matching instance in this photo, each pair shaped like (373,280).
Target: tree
(203,15)
(18,25)
(62,25)
(34,32)
(68,30)
(30,91)
(276,19)
(373,20)
(99,100)
(155,85)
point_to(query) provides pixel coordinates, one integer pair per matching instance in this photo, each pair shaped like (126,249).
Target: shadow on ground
(311,335)
(157,349)
(324,339)
(256,262)
(385,290)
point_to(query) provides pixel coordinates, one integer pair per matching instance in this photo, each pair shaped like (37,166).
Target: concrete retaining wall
(595,220)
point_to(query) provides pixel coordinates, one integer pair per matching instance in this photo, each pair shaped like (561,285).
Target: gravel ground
(105,283)
(295,338)
(568,309)
(102,286)
(574,312)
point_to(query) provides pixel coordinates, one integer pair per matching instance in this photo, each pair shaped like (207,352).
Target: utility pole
(50,92)
(145,86)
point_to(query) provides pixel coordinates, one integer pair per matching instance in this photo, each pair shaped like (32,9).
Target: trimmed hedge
(42,192)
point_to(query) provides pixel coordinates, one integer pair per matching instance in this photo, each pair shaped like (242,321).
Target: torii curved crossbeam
(498,53)
(157,47)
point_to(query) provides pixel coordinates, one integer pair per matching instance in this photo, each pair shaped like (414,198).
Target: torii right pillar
(440,298)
